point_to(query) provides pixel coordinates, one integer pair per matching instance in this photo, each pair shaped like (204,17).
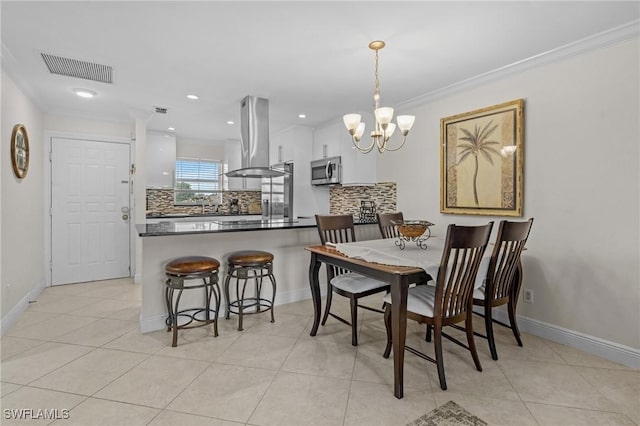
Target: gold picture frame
(20,151)
(481,161)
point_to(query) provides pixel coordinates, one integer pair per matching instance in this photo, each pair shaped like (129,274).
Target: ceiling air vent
(79,69)
(160,110)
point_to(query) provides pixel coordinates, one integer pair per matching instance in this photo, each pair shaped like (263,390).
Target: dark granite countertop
(181,228)
(208,227)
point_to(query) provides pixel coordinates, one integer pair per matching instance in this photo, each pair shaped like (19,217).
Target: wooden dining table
(399,277)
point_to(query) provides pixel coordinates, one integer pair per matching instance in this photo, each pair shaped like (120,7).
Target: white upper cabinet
(160,160)
(292,144)
(326,142)
(332,140)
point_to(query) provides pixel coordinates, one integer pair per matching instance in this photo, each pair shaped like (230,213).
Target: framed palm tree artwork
(481,161)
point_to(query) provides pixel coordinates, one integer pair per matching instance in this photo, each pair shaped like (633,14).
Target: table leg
(399,288)
(314,268)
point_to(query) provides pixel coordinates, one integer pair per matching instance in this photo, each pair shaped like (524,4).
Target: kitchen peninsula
(162,242)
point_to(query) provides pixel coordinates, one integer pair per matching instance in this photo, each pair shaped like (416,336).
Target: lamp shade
(359,131)
(351,121)
(384,115)
(405,122)
(389,130)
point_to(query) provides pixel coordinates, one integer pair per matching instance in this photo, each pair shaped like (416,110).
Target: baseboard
(137,279)
(19,308)
(615,352)
(154,323)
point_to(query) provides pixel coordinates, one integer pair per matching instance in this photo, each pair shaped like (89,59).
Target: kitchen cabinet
(333,139)
(233,161)
(160,160)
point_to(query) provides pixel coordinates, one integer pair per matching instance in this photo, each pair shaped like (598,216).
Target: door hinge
(51,266)
(132,170)
(50,156)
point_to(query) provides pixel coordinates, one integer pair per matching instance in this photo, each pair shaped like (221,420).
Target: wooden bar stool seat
(242,266)
(178,272)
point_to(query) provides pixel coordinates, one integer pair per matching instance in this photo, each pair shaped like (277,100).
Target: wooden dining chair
(340,229)
(504,277)
(450,301)
(385,224)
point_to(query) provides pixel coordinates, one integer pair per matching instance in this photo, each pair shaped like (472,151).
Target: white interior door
(89,210)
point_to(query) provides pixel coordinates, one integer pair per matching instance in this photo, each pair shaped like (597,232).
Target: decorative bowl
(417,231)
(412,228)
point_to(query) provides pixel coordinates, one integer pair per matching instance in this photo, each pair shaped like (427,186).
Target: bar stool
(190,268)
(244,265)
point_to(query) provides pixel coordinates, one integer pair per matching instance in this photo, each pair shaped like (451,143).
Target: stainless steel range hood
(254,131)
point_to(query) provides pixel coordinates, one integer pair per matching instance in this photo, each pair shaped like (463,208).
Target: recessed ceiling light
(171,128)
(230,122)
(193,97)
(302,115)
(84,93)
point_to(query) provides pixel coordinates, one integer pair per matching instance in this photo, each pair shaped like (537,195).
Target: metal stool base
(197,317)
(240,305)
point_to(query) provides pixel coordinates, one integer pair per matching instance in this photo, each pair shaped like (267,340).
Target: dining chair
(386,226)
(450,301)
(340,229)
(504,277)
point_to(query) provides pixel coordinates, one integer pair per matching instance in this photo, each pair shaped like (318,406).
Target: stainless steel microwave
(327,171)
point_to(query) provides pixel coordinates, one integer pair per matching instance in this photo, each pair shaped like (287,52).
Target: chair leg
(437,343)
(354,320)
(328,307)
(387,325)
(468,325)
(511,308)
(488,325)
(428,336)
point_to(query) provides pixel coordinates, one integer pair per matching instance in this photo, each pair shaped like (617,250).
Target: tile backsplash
(342,200)
(346,199)
(162,201)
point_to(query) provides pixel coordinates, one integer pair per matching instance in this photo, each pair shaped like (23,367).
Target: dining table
(384,260)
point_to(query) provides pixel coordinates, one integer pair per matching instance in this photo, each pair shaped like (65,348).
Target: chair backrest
(337,228)
(463,252)
(510,241)
(387,228)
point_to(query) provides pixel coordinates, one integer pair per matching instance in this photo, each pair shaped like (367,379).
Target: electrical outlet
(528,296)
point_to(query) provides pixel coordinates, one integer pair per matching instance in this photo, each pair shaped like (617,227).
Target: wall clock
(20,151)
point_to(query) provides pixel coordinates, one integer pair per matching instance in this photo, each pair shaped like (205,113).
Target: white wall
(22,205)
(581,185)
(193,148)
(87,127)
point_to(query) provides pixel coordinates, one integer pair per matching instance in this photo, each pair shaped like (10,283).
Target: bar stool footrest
(249,302)
(192,314)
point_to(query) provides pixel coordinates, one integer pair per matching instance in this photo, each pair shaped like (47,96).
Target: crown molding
(587,44)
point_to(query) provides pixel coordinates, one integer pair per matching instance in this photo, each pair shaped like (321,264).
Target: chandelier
(384,128)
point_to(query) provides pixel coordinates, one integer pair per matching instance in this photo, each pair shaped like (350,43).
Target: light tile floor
(78,348)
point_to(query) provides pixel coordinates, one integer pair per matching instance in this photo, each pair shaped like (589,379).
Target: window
(197,181)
